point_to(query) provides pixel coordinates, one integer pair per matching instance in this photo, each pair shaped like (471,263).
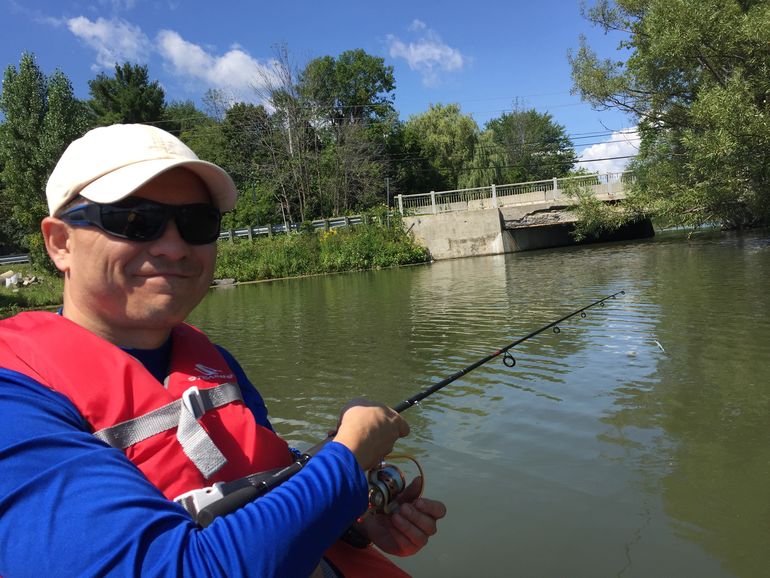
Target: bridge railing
(511,194)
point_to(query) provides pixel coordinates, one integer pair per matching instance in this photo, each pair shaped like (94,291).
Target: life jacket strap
(182,414)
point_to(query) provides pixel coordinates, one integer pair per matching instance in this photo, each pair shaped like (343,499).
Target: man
(109,416)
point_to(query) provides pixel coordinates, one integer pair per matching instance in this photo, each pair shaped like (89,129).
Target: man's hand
(407,530)
(369,430)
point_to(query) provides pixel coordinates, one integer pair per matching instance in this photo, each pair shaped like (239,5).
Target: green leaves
(128,97)
(42,116)
(698,81)
(341,249)
(440,142)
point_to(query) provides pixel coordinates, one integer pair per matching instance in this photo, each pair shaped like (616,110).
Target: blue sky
(480,54)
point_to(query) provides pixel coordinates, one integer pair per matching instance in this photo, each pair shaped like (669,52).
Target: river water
(634,443)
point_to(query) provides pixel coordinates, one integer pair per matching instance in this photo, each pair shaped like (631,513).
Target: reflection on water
(633,443)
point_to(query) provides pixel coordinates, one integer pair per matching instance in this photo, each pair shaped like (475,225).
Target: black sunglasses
(138,219)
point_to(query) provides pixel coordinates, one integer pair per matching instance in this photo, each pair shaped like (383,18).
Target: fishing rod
(386,481)
(508,359)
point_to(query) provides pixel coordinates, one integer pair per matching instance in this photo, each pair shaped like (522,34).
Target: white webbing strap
(182,414)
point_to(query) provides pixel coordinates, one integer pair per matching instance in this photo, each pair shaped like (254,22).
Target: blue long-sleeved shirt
(72,506)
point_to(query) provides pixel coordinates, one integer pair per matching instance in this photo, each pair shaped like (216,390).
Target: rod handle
(230,503)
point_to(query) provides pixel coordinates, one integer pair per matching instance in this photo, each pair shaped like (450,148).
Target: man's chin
(162,310)
(167,284)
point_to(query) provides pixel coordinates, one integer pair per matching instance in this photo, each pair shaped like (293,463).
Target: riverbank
(308,253)
(44,292)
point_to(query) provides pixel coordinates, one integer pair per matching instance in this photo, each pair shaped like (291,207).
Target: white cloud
(115,40)
(235,72)
(622,143)
(417,25)
(119,4)
(428,54)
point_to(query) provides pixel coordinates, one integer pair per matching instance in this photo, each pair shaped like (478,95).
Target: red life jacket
(113,388)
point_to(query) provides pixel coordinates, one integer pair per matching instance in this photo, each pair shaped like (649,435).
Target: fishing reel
(386,483)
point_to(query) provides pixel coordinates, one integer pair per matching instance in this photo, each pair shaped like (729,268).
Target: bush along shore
(370,246)
(360,247)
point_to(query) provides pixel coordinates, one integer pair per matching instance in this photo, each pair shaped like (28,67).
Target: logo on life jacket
(209,373)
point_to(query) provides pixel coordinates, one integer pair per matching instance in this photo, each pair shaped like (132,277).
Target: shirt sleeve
(72,506)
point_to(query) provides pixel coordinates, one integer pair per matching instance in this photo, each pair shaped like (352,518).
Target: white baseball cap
(110,163)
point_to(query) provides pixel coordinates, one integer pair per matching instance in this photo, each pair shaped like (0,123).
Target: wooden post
(270,230)
(250,233)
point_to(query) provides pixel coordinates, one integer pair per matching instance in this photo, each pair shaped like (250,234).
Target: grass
(45,293)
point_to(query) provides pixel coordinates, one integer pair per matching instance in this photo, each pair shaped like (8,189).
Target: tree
(128,97)
(533,146)
(351,99)
(696,76)
(321,146)
(199,131)
(352,89)
(243,155)
(42,116)
(487,166)
(438,145)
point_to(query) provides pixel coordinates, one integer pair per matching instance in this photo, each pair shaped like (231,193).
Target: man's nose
(170,244)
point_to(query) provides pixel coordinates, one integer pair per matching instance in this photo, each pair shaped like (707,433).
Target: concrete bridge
(508,218)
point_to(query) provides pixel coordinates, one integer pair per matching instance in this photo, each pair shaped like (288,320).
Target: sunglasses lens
(139,219)
(137,223)
(198,224)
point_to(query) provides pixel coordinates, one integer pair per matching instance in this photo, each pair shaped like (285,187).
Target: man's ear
(56,235)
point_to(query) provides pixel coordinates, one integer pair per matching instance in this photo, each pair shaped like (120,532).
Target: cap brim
(122,182)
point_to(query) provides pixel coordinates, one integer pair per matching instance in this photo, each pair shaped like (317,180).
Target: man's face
(129,287)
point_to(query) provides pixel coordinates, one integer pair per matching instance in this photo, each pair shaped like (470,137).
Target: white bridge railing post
(433,201)
(400,203)
(494,196)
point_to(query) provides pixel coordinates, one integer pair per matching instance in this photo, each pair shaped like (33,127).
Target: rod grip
(230,503)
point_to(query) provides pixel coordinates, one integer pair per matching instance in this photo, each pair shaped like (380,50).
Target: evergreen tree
(128,97)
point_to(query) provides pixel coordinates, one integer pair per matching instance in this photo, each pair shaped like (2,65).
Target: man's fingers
(412,491)
(415,526)
(432,508)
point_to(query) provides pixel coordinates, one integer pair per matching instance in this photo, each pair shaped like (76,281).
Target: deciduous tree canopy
(696,76)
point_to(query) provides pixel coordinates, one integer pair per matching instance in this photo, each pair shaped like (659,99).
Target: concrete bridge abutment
(461,234)
(494,231)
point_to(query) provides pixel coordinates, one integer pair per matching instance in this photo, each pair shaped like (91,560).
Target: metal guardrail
(13,259)
(326,224)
